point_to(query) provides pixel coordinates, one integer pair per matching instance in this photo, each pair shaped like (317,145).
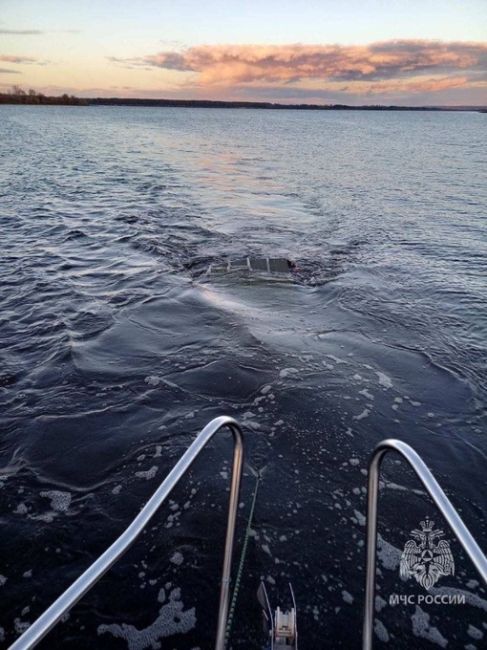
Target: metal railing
(441,501)
(84,583)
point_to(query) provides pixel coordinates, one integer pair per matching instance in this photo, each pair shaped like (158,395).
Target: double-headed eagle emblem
(429,559)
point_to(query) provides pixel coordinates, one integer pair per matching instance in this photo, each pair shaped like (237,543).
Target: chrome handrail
(442,502)
(78,589)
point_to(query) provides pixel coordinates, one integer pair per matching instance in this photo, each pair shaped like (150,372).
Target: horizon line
(25,97)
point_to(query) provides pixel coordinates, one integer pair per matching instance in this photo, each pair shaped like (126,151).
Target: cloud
(22,32)
(414,91)
(37,32)
(17,59)
(8,71)
(409,86)
(131,64)
(376,63)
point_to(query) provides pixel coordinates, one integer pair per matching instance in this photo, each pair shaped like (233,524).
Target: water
(115,351)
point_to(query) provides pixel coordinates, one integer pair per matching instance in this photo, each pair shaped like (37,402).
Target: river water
(116,349)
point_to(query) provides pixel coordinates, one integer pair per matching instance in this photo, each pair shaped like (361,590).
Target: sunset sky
(354,51)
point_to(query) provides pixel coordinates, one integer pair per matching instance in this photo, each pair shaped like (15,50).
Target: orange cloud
(17,59)
(404,86)
(376,63)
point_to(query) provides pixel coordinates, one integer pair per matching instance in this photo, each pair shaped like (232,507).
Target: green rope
(233,603)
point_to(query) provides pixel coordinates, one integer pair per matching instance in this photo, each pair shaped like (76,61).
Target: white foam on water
(366,393)
(475,633)
(177,558)
(360,517)
(380,603)
(384,380)
(266,549)
(153,380)
(395,486)
(117,489)
(423,630)
(285,372)
(365,414)
(387,554)
(147,474)
(470,598)
(60,501)
(347,597)
(2,634)
(47,517)
(21,626)
(3,580)
(172,620)
(381,631)
(336,359)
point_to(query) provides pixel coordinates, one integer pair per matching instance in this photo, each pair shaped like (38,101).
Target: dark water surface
(115,352)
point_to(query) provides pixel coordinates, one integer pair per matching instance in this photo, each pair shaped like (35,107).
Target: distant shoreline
(38,99)
(201,103)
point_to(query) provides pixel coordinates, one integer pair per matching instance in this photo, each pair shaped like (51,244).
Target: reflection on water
(116,349)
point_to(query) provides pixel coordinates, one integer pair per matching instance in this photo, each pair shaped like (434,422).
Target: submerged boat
(280,622)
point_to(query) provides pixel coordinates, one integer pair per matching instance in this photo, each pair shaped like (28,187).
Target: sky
(405,52)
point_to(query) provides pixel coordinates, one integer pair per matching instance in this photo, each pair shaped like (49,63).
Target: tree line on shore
(20,96)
